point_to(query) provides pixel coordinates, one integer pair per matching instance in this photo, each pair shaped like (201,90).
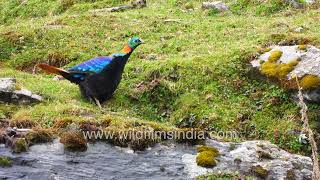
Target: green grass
(199,77)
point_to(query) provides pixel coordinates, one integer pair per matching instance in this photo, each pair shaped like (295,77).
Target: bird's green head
(135,42)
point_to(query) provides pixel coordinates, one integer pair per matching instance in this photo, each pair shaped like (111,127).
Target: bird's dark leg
(97,102)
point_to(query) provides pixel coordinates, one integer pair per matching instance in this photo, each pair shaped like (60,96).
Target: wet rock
(284,63)
(217,5)
(10,93)
(246,158)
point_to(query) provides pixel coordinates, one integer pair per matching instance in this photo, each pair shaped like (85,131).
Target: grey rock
(7,84)
(9,94)
(298,4)
(245,155)
(309,64)
(218,5)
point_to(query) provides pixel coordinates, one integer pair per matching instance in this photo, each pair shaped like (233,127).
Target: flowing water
(100,161)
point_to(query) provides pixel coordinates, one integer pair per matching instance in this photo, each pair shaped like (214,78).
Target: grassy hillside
(192,72)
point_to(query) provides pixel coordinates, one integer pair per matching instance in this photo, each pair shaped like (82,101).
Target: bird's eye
(137,40)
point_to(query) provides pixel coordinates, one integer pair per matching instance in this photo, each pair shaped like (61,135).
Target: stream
(100,161)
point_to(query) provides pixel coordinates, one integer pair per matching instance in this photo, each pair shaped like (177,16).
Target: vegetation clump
(62,123)
(5,161)
(74,141)
(259,171)
(22,123)
(206,156)
(310,81)
(19,145)
(39,135)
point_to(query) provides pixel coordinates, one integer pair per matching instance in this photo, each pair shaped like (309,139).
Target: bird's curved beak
(142,41)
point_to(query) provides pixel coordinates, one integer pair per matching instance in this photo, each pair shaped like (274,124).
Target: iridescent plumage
(99,77)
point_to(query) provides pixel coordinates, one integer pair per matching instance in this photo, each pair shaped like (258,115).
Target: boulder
(9,93)
(284,63)
(217,5)
(260,159)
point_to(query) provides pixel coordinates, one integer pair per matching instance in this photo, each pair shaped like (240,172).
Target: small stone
(10,94)
(152,57)
(298,29)
(7,84)
(218,5)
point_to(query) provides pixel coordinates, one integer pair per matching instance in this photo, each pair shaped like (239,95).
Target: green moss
(221,176)
(275,56)
(259,171)
(309,82)
(19,145)
(284,69)
(206,159)
(278,70)
(206,156)
(214,150)
(269,69)
(303,47)
(5,161)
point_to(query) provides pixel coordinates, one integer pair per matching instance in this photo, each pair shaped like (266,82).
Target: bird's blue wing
(94,65)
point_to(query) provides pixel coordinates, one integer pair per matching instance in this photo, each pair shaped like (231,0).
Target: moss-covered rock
(39,135)
(275,70)
(206,159)
(275,56)
(74,141)
(303,47)
(269,69)
(5,161)
(19,145)
(206,156)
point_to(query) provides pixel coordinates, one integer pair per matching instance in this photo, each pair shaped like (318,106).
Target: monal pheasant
(98,78)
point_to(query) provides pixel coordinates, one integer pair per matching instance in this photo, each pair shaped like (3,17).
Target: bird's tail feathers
(52,69)
(58,71)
